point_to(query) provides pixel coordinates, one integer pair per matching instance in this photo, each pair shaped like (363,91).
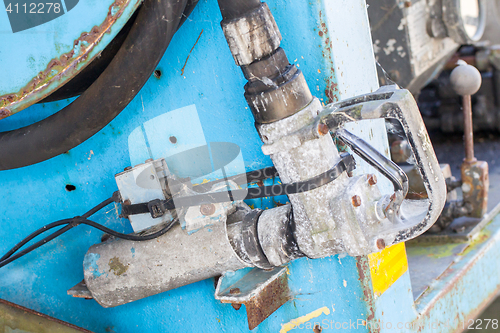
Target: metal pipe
(119,271)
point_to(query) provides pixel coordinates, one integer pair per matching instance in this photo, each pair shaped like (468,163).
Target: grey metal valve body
(296,161)
(120,271)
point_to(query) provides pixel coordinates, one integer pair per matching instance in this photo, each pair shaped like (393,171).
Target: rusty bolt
(236,306)
(408,3)
(235,291)
(372,179)
(323,129)
(127,202)
(317,329)
(4,113)
(127,168)
(105,237)
(380,244)
(356,201)
(208,209)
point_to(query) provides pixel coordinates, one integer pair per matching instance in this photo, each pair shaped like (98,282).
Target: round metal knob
(465,79)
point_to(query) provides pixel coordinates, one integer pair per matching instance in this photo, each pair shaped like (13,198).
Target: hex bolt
(380,244)
(323,129)
(372,179)
(207,209)
(236,306)
(466,81)
(317,329)
(235,291)
(356,201)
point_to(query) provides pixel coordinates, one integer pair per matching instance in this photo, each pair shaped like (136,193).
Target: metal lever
(387,167)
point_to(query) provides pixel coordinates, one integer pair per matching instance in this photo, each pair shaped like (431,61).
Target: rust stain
(185,63)
(475,179)
(270,299)
(266,302)
(117,267)
(65,66)
(331,91)
(363,266)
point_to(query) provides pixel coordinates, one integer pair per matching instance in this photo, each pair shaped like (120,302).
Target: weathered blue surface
(34,196)
(27,53)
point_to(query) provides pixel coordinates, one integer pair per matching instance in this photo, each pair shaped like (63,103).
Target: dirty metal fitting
(275,229)
(120,271)
(265,239)
(298,161)
(276,89)
(282,104)
(252,36)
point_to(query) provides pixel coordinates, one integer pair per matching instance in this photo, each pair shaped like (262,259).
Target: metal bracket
(261,291)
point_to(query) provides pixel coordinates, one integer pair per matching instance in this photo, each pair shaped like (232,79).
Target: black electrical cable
(114,89)
(73,222)
(158,207)
(53,225)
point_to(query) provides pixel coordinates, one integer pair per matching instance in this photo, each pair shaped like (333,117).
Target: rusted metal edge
(453,276)
(270,299)
(363,265)
(260,302)
(65,67)
(54,320)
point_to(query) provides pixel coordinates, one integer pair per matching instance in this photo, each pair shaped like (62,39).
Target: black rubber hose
(130,69)
(231,9)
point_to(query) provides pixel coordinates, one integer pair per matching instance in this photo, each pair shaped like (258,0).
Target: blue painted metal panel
(34,196)
(28,53)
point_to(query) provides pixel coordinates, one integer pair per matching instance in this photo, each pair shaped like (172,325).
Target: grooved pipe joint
(252,36)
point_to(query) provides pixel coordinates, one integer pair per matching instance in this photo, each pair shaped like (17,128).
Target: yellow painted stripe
(296,322)
(387,266)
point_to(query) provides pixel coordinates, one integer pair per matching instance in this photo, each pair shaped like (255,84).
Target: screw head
(380,244)
(356,201)
(207,209)
(372,179)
